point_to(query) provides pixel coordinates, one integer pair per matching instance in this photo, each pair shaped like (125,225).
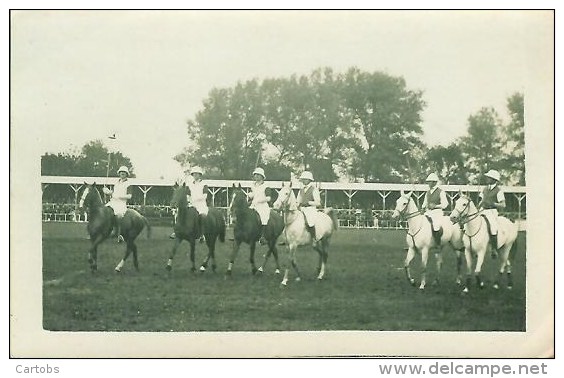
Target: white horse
(296,234)
(420,238)
(477,240)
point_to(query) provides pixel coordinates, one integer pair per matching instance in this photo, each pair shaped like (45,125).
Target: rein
(465,219)
(409,216)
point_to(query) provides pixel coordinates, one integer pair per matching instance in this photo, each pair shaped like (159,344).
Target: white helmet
(492,173)
(259,171)
(196,169)
(306,175)
(123,168)
(432,177)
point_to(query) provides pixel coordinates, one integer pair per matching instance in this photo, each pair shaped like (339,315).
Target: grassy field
(365,289)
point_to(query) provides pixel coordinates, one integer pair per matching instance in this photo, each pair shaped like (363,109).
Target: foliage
(355,124)
(91,161)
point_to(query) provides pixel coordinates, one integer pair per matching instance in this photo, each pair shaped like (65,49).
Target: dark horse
(187,227)
(101,222)
(248,227)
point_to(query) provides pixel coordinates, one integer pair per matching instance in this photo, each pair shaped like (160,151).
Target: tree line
(358,126)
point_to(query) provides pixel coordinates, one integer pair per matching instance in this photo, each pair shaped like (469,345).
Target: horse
(247,229)
(187,227)
(476,240)
(296,233)
(101,223)
(420,238)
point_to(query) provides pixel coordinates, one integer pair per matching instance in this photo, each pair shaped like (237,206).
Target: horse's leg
(252,258)
(459,266)
(210,244)
(93,253)
(439,262)
(236,245)
(193,254)
(324,255)
(266,257)
(424,259)
(295,262)
(177,242)
(275,253)
(468,256)
(128,249)
(502,265)
(408,258)
(478,270)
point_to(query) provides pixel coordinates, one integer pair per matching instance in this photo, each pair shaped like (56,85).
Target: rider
(492,198)
(260,196)
(309,200)
(434,204)
(118,201)
(198,197)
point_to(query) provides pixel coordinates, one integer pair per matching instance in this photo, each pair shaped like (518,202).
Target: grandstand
(358,205)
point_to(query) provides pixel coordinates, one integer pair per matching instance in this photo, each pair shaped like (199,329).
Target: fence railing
(348,218)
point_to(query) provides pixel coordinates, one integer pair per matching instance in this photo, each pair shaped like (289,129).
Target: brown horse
(247,230)
(101,222)
(189,226)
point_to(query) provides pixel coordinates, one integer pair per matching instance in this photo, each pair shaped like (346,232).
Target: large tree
(481,146)
(387,122)
(513,139)
(356,125)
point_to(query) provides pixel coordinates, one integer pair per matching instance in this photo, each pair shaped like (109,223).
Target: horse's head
(462,207)
(402,204)
(238,199)
(90,197)
(179,193)
(285,198)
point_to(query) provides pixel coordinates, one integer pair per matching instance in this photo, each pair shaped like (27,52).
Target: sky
(84,75)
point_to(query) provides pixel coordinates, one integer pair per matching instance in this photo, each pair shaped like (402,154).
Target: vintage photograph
(304,183)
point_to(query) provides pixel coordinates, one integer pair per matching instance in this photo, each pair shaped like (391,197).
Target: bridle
(408,215)
(463,219)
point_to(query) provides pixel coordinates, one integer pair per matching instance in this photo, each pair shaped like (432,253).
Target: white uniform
(309,200)
(118,202)
(198,197)
(489,211)
(260,201)
(436,213)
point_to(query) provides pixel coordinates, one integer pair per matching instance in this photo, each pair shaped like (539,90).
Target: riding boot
(437,236)
(262,240)
(118,227)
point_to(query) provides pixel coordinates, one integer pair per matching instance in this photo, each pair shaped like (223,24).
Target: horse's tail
(333,216)
(146,221)
(222,227)
(513,249)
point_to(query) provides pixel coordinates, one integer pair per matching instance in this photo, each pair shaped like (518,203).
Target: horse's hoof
(260,269)
(283,284)
(509,287)
(193,270)
(117,270)
(202,269)
(421,287)
(277,271)
(458,281)
(495,286)
(298,279)
(412,282)
(465,291)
